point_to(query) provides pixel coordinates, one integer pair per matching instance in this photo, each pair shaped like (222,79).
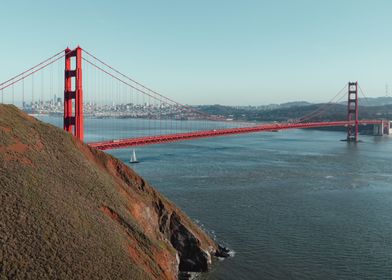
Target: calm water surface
(296,204)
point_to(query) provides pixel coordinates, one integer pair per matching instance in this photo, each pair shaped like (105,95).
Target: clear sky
(244,52)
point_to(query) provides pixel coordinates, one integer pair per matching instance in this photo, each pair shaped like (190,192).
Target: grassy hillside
(71,212)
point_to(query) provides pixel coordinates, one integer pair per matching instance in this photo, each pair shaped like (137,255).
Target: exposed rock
(68,211)
(192,256)
(222,252)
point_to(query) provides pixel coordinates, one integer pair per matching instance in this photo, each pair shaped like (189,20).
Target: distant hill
(68,211)
(374,101)
(294,104)
(368,109)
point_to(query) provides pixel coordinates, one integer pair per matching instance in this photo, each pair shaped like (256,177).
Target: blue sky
(202,52)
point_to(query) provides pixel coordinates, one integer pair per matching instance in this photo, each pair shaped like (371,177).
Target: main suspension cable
(324,107)
(35,66)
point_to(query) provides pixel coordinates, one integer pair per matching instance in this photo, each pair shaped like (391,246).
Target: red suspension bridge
(99,91)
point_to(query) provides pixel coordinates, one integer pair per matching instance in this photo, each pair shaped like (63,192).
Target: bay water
(295,204)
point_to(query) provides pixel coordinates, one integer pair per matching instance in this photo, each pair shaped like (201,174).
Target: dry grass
(70,212)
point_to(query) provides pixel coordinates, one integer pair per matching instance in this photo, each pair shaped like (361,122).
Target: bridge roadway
(159,139)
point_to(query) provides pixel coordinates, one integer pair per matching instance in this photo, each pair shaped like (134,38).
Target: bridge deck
(150,140)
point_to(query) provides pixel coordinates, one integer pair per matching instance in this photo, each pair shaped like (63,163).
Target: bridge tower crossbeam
(73,122)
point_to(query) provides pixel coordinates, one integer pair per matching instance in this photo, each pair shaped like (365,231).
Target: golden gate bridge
(91,88)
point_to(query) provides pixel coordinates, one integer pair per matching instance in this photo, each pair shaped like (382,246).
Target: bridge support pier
(383,128)
(378,129)
(73,94)
(387,127)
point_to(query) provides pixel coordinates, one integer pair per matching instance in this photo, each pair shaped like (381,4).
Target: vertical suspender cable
(13,95)
(23,95)
(32,92)
(42,88)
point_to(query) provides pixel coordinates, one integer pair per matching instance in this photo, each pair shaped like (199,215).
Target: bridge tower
(352,112)
(73,93)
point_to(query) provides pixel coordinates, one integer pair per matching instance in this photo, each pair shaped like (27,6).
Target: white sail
(134,156)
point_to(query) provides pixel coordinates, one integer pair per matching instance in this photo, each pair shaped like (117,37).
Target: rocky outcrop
(68,211)
(192,256)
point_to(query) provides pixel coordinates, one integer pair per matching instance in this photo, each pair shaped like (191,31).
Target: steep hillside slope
(71,212)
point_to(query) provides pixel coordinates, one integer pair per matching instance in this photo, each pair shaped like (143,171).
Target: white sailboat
(133,157)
